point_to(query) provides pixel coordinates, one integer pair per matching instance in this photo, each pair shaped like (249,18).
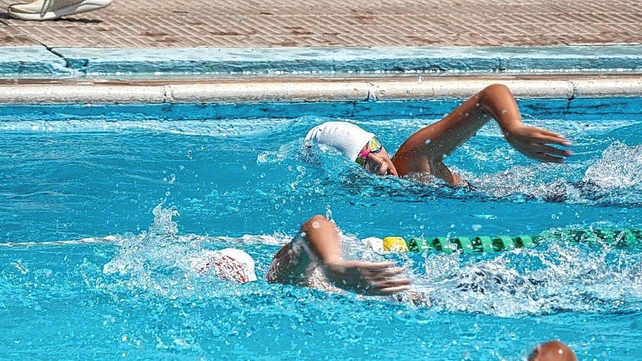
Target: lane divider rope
(490,244)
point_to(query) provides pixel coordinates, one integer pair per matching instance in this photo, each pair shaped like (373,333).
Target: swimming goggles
(373,146)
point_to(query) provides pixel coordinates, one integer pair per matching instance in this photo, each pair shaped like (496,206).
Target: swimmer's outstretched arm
(424,150)
(319,242)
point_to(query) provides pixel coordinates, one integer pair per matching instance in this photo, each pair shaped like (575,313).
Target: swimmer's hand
(367,278)
(533,143)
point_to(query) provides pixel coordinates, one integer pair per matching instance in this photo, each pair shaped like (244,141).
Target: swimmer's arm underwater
(318,242)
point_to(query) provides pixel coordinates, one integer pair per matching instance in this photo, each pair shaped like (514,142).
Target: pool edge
(260,90)
(62,62)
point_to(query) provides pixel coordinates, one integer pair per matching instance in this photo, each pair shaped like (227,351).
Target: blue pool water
(103,206)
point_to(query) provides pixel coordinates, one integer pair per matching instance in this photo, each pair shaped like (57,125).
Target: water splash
(619,167)
(559,277)
(157,262)
(614,179)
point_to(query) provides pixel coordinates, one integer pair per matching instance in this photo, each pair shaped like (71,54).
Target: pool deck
(197,50)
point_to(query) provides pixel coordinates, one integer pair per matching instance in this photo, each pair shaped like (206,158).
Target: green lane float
(486,244)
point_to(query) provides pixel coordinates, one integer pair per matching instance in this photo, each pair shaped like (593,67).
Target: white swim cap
(345,137)
(229,264)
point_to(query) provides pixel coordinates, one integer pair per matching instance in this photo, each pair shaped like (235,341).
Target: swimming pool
(103,205)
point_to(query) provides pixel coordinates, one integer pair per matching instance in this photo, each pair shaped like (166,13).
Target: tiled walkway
(336,23)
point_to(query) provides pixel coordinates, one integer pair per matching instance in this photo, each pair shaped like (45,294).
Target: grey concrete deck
(334,23)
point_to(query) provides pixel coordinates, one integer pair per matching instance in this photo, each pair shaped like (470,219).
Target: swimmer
(312,259)
(423,152)
(552,351)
